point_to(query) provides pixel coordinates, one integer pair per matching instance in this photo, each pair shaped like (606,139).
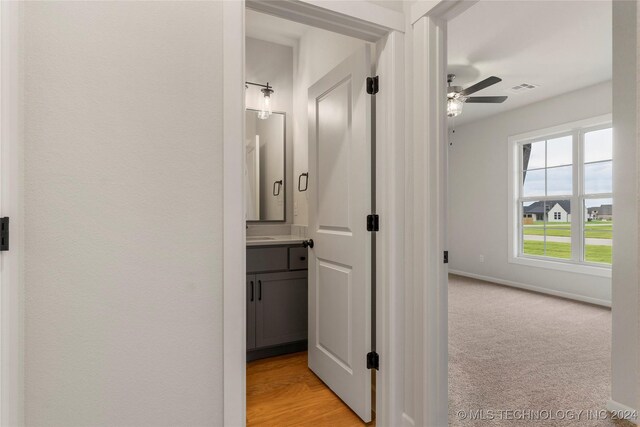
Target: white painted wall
(273,63)
(397,5)
(123,171)
(318,52)
(478,194)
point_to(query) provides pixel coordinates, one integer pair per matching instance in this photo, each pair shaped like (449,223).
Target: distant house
(551,211)
(602,212)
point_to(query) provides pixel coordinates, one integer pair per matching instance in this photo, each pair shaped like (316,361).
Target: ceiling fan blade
(480,85)
(486,99)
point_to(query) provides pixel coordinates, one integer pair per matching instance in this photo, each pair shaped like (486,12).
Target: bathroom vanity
(276,260)
(276,296)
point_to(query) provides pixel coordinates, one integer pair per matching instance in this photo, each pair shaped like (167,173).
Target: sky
(559,176)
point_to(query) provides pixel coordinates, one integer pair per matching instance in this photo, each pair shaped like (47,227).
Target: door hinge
(373,222)
(4,233)
(373,360)
(446,257)
(372,85)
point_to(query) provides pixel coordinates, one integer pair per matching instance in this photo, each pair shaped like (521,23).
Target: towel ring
(277,185)
(306,182)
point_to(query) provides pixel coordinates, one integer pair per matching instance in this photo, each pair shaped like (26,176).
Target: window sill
(591,270)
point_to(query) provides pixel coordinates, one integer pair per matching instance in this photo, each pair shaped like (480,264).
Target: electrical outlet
(481,258)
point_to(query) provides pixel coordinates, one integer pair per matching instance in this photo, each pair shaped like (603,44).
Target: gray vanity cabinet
(281,308)
(276,301)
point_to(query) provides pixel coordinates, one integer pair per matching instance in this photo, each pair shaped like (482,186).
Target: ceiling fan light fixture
(454,106)
(457,96)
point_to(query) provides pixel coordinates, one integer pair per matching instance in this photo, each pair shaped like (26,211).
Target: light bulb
(454,106)
(265,110)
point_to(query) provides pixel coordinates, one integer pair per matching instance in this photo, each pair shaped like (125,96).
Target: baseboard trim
(538,289)
(622,411)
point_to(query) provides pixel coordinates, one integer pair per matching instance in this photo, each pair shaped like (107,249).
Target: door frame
(385,28)
(427,212)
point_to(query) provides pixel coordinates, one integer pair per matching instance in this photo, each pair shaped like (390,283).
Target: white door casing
(340,261)
(372,23)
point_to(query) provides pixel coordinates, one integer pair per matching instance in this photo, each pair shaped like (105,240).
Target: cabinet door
(281,308)
(251,311)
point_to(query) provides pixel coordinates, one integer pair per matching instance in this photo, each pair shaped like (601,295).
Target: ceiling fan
(457,96)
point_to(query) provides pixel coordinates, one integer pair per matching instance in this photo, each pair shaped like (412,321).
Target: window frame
(577,263)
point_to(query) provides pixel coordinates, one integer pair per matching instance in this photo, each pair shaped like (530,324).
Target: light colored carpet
(512,350)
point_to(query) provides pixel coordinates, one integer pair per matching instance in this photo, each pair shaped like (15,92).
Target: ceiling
(558,46)
(272,29)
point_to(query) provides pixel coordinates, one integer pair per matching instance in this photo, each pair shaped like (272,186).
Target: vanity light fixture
(265,107)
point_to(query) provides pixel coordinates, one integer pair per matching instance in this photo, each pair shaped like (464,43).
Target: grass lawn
(555,250)
(599,232)
(593,229)
(598,254)
(564,231)
(595,253)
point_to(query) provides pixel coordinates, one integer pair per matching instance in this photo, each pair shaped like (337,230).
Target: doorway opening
(309,188)
(530,206)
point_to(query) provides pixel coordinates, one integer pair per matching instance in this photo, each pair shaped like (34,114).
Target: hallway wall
(123,170)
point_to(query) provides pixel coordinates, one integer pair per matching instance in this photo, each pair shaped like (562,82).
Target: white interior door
(339,201)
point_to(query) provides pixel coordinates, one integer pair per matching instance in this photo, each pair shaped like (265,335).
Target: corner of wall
(625,362)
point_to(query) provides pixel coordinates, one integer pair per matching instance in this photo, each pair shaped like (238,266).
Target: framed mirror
(265,167)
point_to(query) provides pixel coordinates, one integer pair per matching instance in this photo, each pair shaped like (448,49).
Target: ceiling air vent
(523,87)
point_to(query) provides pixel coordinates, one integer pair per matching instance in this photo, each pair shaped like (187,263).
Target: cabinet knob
(302,258)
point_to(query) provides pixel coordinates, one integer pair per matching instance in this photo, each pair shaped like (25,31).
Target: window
(563,195)
(597,202)
(546,191)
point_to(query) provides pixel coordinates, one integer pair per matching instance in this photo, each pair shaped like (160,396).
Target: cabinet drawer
(267,259)
(298,258)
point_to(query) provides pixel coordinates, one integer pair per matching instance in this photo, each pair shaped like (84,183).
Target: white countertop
(274,240)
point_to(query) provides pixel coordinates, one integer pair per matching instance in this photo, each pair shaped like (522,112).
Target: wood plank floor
(282,391)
